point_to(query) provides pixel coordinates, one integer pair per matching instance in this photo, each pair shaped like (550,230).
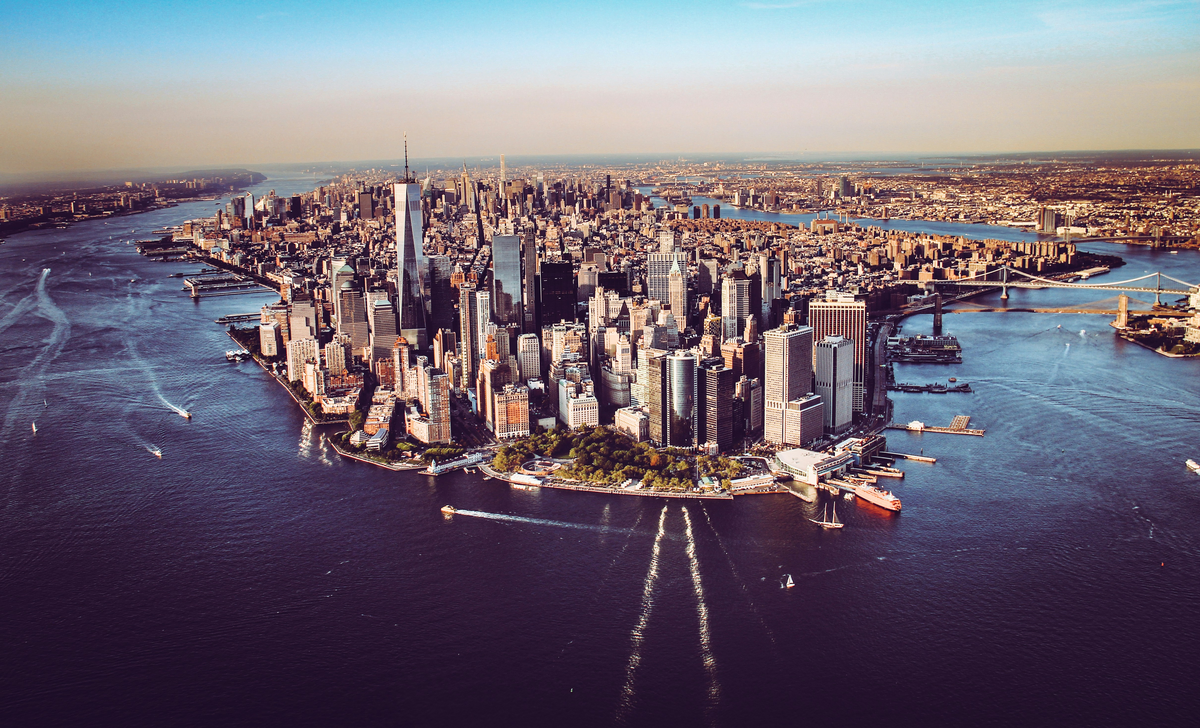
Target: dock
(957,427)
(222,284)
(905,456)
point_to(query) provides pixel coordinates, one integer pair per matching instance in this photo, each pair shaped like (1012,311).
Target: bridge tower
(1004,279)
(1122,322)
(937,314)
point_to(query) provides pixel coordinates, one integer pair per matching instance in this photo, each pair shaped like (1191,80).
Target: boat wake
(541,522)
(32,377)
(710,661)
(638,636)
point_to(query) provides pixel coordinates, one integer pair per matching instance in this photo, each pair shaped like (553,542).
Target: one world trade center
(410,264)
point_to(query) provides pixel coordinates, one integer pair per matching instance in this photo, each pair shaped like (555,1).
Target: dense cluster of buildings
(40,209)
(1076,195)
(522,300)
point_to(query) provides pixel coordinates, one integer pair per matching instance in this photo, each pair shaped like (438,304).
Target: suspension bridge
(1010,277)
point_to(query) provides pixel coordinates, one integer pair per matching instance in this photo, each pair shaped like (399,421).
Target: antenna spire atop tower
(407,177)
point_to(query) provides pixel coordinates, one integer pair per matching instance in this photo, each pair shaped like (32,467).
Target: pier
(223,284)
(935,388)
(957,427)
(239,318)
(905,456)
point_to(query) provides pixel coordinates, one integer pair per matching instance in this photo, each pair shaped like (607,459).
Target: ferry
(449,510)
(1193,466)
(878,496)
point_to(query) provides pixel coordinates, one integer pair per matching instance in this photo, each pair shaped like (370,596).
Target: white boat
(449,510)
(1193,466)
(786,582)
(825,521)
(35,428)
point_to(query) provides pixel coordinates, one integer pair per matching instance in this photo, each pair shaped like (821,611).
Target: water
(250,576)
(933,227)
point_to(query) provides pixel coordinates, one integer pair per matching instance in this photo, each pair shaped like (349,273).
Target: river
(1044,574)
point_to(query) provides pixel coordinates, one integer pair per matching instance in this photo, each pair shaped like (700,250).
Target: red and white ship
(878,496)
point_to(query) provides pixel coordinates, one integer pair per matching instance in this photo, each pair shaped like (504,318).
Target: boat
(35,428)
(953,380)
(786,582)
(1193,465)
(449,510)
(878,496)
(186,415)
(825,521)
(158,454)
(848,497)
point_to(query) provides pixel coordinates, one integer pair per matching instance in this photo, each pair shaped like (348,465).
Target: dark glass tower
(558,292)
(506,281)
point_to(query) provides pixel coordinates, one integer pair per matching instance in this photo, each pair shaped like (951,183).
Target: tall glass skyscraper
(680,395)
(558,292)
(506,280)
(410,264)
(441,293)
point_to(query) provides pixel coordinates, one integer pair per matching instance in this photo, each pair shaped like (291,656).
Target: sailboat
(35,428)
(786,582)
(825,521)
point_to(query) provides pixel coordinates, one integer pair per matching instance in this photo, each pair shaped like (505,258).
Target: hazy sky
(96,85)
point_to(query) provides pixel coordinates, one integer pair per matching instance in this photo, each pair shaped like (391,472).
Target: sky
(119,85)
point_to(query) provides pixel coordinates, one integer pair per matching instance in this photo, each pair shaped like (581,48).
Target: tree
(356,420)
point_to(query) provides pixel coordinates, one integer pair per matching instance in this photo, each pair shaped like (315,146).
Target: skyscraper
(467,333)
(841,315)
(735,304)
(410,264)
(671,391)
(788,378)
(529,285)
(680,394)
(658,274)
(352,318)
(558,292)
(383,329)
(835,382)
(772,279)
(677,296)
(507,283)
(441,293)
(529,356)
(714,403)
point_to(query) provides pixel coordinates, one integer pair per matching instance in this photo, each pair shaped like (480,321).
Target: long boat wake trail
(638,635)
(541,522)
(710,662)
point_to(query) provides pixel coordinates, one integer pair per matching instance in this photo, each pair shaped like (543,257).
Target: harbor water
(1047,573)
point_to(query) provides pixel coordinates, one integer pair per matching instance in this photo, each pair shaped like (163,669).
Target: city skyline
(103,86)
